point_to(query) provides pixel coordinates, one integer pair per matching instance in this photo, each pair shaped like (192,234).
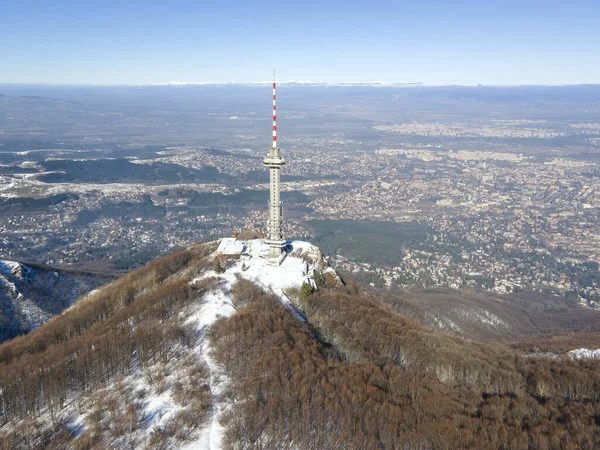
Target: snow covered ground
(302,260)
(582,353)
(27,185)
(265,272)
(9,267)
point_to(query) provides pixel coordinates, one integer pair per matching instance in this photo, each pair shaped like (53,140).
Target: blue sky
(464,42)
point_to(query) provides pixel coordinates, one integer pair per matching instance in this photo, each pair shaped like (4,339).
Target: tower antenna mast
(274,113)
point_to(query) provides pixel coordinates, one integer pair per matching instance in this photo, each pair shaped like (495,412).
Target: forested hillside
(336,368)
(356,375)
(484,316)
(122,329)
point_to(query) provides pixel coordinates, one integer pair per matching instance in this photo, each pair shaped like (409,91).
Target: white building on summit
(274,162)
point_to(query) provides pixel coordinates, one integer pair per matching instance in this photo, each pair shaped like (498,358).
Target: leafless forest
(359,376)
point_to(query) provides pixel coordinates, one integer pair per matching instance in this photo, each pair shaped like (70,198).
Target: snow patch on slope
(445,323)
(10,268)
(30,296)
(485,317)
(584,353)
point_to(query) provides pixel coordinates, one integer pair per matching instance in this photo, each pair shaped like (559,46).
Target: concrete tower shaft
(274,162)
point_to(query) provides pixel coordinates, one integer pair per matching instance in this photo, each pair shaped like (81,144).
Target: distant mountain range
(293,83)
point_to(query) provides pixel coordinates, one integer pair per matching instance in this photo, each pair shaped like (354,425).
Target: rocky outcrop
(30,296)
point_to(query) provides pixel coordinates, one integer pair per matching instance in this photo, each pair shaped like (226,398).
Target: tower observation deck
(274,162)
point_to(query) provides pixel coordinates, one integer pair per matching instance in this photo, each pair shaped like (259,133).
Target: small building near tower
(230,247)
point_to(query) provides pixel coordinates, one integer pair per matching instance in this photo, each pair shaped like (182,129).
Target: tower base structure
(276,247)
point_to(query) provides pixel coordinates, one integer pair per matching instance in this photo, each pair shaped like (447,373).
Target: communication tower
(274,162)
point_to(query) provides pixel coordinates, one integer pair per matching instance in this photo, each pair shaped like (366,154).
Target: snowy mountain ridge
(152,404)
(297,268)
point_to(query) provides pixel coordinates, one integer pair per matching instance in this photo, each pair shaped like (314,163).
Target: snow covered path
(214,305)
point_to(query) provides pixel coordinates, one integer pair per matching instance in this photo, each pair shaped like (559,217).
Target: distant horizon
(399,84)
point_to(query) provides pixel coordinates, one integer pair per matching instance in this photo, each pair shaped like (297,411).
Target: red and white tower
(274,162)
